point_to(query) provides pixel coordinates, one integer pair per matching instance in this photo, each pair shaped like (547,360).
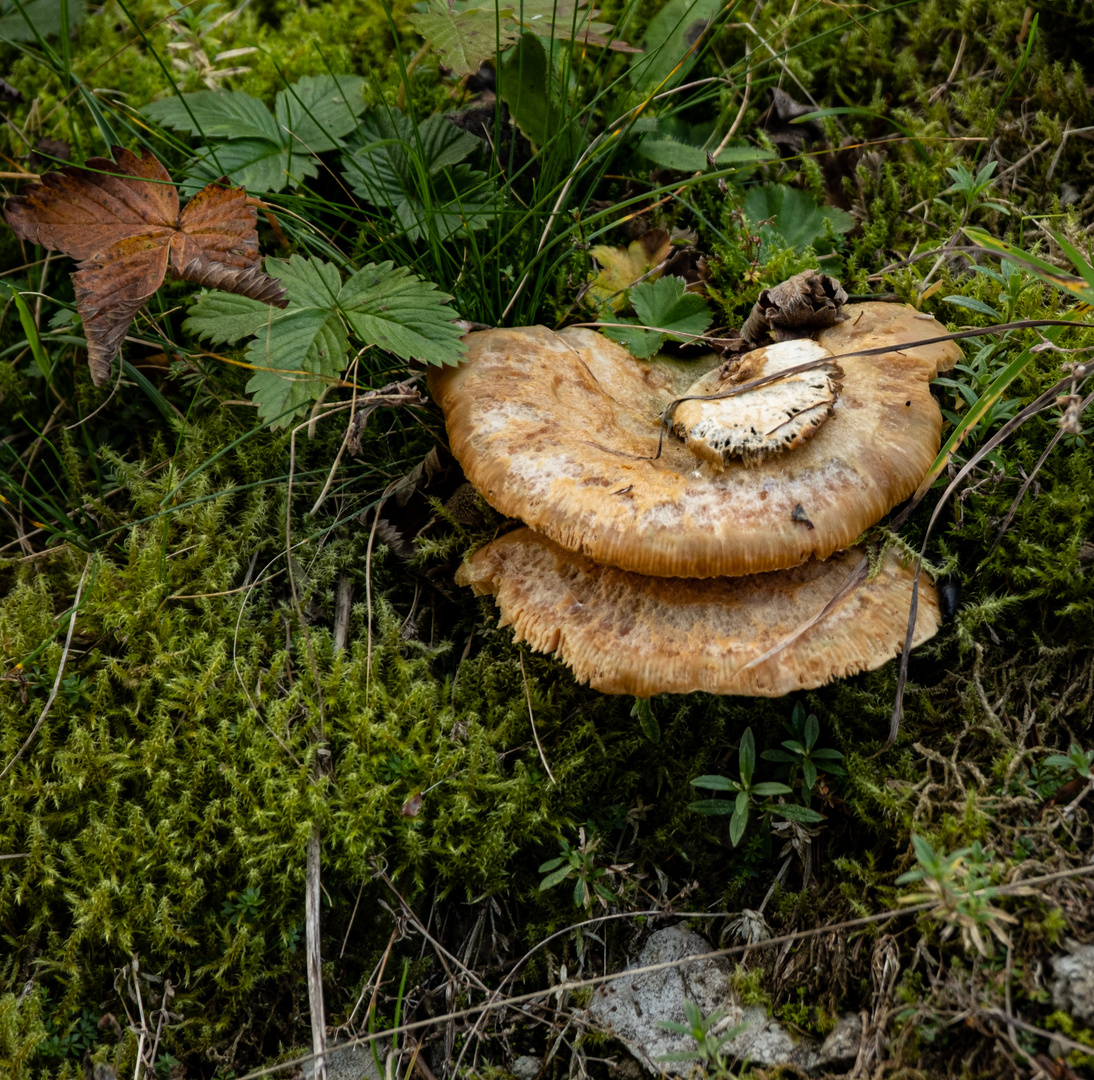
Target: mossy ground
(208,718)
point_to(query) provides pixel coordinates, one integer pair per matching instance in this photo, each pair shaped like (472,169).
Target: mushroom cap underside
(561,430)
(625,633)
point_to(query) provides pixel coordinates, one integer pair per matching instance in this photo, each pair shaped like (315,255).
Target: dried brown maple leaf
(121,220)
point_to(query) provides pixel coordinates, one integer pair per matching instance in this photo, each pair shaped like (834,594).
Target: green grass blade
(34,340)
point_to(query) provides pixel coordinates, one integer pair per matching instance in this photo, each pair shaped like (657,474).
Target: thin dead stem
(532,719)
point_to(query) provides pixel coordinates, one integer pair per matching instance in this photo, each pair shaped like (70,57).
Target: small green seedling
(746,791)
(958,886)
(709,1053)
(801,755)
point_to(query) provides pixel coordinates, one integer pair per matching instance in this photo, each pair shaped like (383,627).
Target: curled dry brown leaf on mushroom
(780,460)
(800,305)
(121,220)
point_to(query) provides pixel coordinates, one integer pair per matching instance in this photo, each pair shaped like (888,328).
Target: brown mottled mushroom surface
(560,430)
(626,633)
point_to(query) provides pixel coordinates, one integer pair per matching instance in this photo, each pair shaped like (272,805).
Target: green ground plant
(261,649)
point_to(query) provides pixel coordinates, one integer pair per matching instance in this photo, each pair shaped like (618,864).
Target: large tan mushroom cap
(628,634)
(558,430)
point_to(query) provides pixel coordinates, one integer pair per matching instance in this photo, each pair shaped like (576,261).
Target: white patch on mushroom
(758,423)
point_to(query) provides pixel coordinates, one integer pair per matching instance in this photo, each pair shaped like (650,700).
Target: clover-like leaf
(258,149)
(387,305)
(414,172)
(297,352)
(667,310)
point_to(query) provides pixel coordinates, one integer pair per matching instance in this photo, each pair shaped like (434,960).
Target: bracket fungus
(561,430)
(705,560)
(757,635)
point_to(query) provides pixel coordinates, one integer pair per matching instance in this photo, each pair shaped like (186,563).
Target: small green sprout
(746,791)
(710,1043)
(591,881)
(957,885)
(802,755)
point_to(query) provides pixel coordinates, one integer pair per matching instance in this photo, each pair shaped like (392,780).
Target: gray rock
(840,1050)
(347,1063)
(631,1008)
(1073,988)
(526,1067)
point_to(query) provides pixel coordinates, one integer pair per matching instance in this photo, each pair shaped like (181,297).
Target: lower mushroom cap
(628,634)
(561,430)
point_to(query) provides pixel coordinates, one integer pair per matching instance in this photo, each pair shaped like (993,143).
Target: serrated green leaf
(386,305)
(216,113)
(665,304)
(443,144)
(308,338)
(564,20)
(798,221)
(307,282)
(297,344)
(464,39)
(416,174)
(465,34)
(255,164)
(465,203)
(640,343)
(43,15)
(379,170)
(297,351)
(224,317)
(256,149)
(314,113)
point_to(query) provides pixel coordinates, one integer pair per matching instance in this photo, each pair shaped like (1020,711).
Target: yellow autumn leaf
(621,267)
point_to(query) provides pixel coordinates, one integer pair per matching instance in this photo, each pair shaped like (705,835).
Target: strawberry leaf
(411,172)
(388,306)
(258,149)
(666,308)
(297,352)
